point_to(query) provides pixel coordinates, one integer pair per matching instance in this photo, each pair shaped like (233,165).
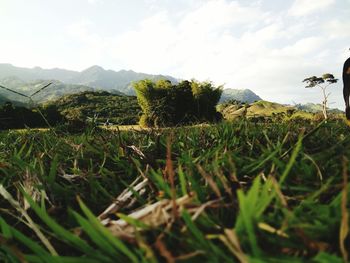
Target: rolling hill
(314,108)
(259,109)
(56,90)
(244,95)
(4,99)
(102,105)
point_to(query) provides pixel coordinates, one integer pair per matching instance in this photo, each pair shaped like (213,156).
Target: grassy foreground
(233,192)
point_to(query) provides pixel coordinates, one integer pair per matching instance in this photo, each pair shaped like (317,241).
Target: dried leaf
(272,230)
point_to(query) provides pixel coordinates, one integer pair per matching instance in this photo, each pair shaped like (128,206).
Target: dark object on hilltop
(165,104)
(346,89)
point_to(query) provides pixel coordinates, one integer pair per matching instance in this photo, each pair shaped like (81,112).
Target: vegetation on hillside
(166,104)
(19,117)
(315,108)
(266,110)
(235,109)
(99,106)
(241,191)
(242,95)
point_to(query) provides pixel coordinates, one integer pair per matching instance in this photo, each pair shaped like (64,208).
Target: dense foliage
(16,117)
(165,104)
(100,106)
(241,191)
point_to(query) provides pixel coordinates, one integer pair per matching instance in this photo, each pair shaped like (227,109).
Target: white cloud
(92,46)
(338,28)
(226,42)
(93,1)
(307,7)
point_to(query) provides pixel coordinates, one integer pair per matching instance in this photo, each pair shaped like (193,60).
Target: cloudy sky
(267,46)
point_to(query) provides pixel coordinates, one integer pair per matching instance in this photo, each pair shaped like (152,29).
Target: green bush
(166,104)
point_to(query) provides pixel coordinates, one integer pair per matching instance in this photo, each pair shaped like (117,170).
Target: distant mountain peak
(94,68)
(243,95)
(126,71)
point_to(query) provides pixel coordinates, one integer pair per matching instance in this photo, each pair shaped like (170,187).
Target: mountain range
(65,82)
(94,77)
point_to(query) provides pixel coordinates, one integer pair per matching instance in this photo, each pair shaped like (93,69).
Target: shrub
(165,104)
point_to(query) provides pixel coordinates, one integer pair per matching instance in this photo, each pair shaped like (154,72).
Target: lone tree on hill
(323,83)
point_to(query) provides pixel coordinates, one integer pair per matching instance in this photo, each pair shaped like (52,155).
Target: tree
(156,102)
(206,97)
(323,83)
(52,114)
(165,104)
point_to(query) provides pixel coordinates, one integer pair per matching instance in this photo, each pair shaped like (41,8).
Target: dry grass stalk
(124,197)
(5,194)
(230,239)
(152,215)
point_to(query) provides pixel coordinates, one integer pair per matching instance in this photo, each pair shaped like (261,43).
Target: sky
(268,46)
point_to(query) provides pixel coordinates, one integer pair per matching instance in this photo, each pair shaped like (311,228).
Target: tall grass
(241,192)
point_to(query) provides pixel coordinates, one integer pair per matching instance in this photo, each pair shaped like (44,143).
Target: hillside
(117,109)
(29,74)
(95,77)
(244,95)
(314,108)
(4,99)
(262,108)
(259,109)
(56,90)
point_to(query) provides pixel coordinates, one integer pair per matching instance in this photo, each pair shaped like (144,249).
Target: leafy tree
(184,101)
(323,83)
(206,97)
(19,117)
(117,109)
(52,114)
(164,104)
(155,101)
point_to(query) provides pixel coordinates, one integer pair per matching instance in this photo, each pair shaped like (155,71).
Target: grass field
(231,192)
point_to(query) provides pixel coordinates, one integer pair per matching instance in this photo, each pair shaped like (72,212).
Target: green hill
(260,109)
(4,99)
(56,90)
(242,95)
(314,108)
(101,106)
